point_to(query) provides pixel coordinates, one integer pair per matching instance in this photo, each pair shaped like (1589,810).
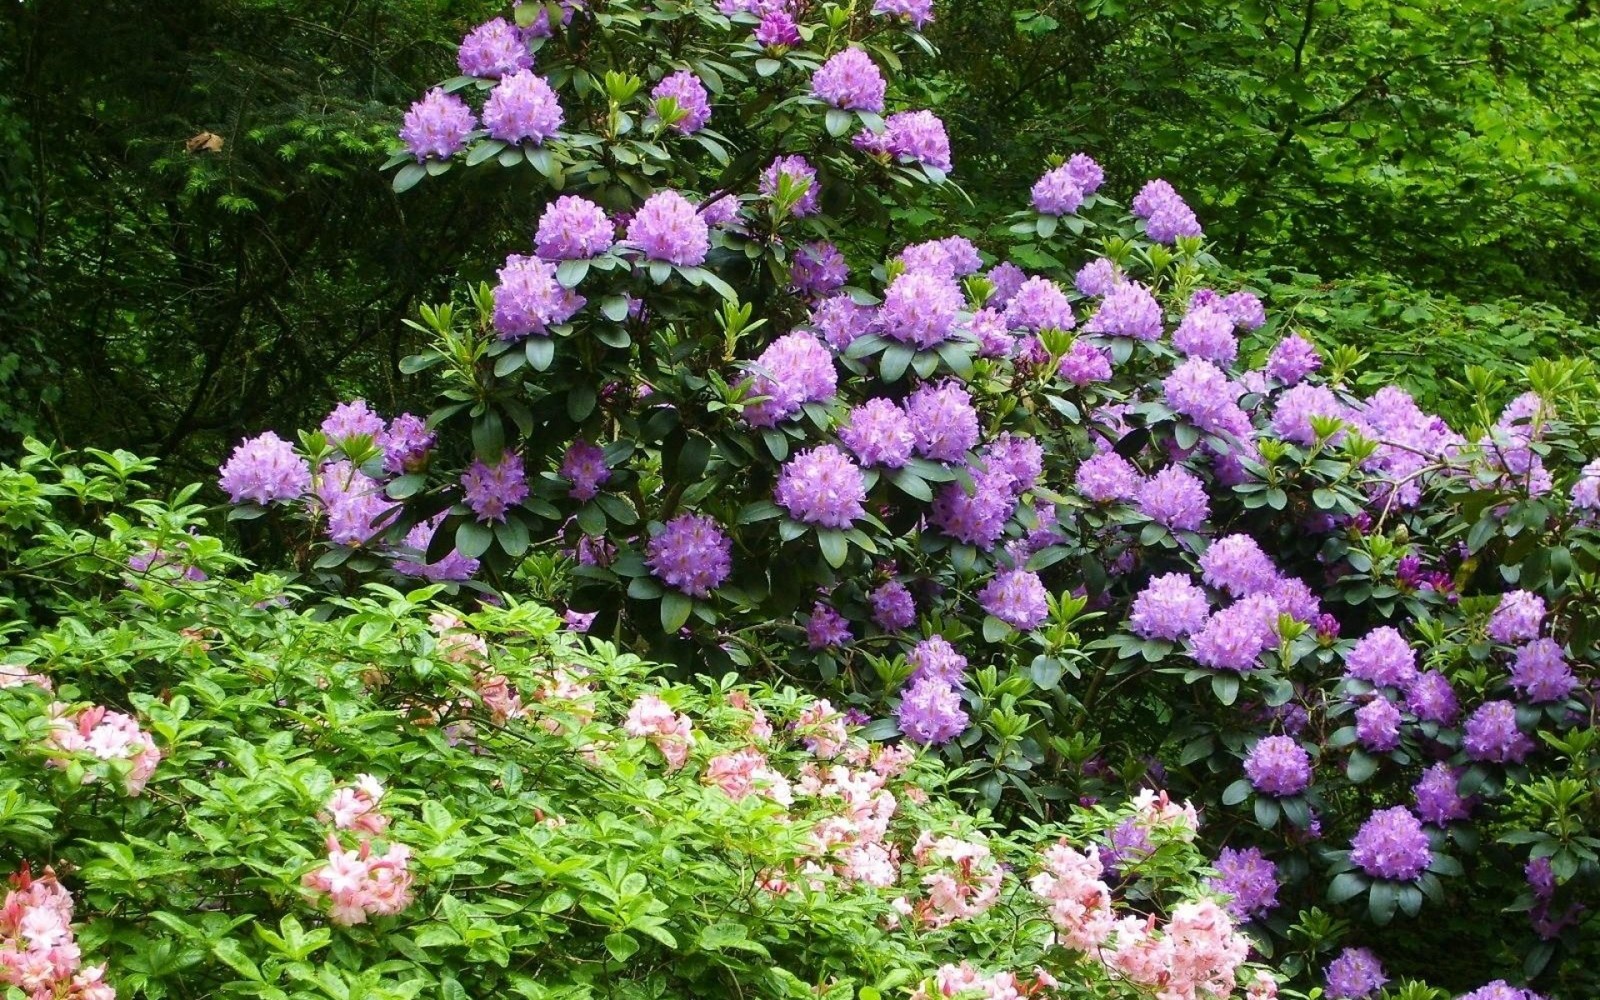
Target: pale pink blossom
(746,772)
(651,718)
(106,735)
(363,883)
(355,807)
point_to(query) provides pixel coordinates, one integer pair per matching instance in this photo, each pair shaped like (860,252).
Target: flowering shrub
(400,801)
(1039,496)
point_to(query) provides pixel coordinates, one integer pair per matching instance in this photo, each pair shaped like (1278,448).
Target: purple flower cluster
(917,12)
(822,486)
(573,228)
(584,465)
(1517,618)
(1250,881)
(1166,215)
(850,80)
(694,104)
(1278,766)
(1292,359)
(522,108)
(930,712)
(892,606)
(1382,657)
(1039,304)
(264,469)
(353,503)
(794,370)
(1207,332)
(667,228)
(802,177)
(818,270)
(436,127)
(1438,802)
(1378,725)
(1106,477)
(921,308)
(826,628)
(1541,672)
(1391,844)
(452,566)
(691,554)
(1175,498)
(935,658)
(1127,310)
(491,490)
(777,30)
(529,299)
(879,433)
(1016,597)
(406,444)
(944,425)
(1501,990)
(1431,699)
(351,420)
(1354,975)
(1169,607)
(1491,734)
(493,49)
(918,136)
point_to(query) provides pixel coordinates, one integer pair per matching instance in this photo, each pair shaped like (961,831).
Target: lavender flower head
(1586,491)
(1207,333)
(406,443)
(944,426)
(350,420)
(1236,637)
(920,308)
(935,658)
(691,554)
(1378,725)
(264,470)
(1391,844)
(1431,699)
(573,228)
(879,433)
(1006,278)
(794,370)
(1097,277)
(801,174)
(1354,975)
(1541,673)
(493,49)
(1293,359)
(818,269)
(667,228)
(1499,989)
(684,88)
(1249,879)
(1278,766)
(522,108)
(1085,363)
(777,30)
(917,12)
(930,712)
(1236,564)
(1517,618)
(826,628)
(452,566)
(850,80)
(353,504)
(1438,802)
(892,606)
(491,490)
(1106,477)
(1039,305)
(1491,734)
(841,320)
(1016,597)
(1057,192)
(1166,214)
(529,300)
(1169,607)
(436,127)
(918,136)
(1127,310)
(584,465)
(1175,498)
(822,486)
(1382,657)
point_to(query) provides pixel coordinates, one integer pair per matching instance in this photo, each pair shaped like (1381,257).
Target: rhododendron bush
(1046,496)
(401,801)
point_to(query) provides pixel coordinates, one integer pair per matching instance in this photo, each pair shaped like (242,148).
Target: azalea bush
(211,787)
(1037,495)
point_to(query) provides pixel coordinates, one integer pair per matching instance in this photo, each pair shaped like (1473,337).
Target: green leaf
(408,176)
(1361,767)
(473,539)
(676,607)
(1382,900)
(1237,792)
(512,535)
(541,351)
(1346,886)
(835,547)
(1045,672)
(614,308)
(1225,687)
(1267,812)
(839,121)
(621,945)
(571,272)
(896,359)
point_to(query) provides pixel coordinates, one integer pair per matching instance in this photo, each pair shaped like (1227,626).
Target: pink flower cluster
(961,879)
(39,954)
(747,772)
(1196,954)
(108,736)
(965,980)
(653,719)
(365,882)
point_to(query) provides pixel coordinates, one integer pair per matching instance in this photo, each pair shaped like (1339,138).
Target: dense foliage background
(1419,172)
